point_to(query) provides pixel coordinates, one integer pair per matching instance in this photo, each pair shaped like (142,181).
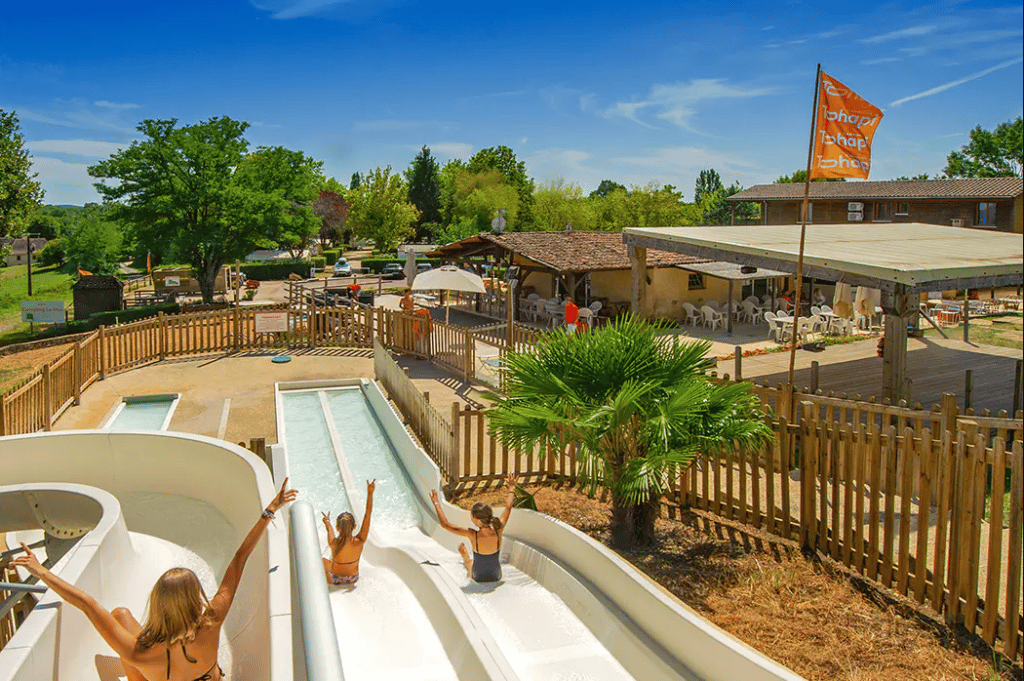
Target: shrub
(278,270)
(331,256)
(107,319)
(318,262)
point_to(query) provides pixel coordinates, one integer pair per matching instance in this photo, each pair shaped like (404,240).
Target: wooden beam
(899,310)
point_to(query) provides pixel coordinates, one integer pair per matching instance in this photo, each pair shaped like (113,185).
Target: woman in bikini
(346,549)
(181,635)
(485,537)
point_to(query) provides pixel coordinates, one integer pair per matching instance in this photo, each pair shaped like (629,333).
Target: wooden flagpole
(803,234)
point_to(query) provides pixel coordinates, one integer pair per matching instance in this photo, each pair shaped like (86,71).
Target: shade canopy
(449,278)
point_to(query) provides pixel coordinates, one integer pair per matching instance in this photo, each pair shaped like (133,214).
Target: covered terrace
(901,261)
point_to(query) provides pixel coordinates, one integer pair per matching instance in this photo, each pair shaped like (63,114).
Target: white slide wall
(218,491)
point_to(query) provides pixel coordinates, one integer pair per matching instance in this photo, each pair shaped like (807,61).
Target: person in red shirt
(572,315)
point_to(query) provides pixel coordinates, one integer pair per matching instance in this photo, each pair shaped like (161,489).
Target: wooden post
(103,352)
(453,455)
(737,360)
(808,476)
(814,377)
(47,399)
(161,340)
(78,373)
(968,389)
(728,311)
(638,280)
(898,311)
(511,330)
(236,331)
(949,413)
(3,415)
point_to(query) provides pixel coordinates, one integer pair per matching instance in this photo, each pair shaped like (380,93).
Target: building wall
(934,212)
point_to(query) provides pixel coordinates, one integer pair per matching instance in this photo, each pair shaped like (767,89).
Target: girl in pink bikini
(346,548)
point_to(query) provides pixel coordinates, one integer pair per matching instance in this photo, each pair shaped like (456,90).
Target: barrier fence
(910,497)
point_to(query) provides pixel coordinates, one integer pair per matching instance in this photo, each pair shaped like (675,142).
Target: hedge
(376,263)
(99,319)
(331,256)
(278,270)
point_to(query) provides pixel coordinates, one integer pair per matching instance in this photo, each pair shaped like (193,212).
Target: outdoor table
(831,321)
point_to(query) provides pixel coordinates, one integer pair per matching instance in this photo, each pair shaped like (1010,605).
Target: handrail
(18,586)
(319,638)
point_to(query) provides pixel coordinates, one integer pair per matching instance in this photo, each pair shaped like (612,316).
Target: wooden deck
(934,365)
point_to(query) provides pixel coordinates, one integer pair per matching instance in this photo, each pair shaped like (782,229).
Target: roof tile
(967,188)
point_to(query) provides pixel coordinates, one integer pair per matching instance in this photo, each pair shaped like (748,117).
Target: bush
(318,262)
(276,271)
(331,256)
(376,263)
(52,253)
(99,319)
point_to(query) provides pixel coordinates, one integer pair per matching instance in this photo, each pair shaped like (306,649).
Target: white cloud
(676,102)
(293,9)
(104,104)
(452,150)
(90,148)
(911,32)
(961,81)
(80,118)
(65,183)
(882,60)
(686,160)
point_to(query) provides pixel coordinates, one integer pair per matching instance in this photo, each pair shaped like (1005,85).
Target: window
(884,211)
(810,211)
(696,282)
(986,215)
(903,208)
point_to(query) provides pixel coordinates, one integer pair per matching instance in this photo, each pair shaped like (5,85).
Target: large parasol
(448,278)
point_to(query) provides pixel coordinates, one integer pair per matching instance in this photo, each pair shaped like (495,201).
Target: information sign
(271,322)
(43,311)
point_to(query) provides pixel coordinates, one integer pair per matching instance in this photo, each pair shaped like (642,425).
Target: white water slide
(116,509)
(567,608)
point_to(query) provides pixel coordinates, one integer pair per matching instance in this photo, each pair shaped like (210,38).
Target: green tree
(649,206)
(92,241)
(423,177)
(357,179)
(904,178)
(605,188)
(282,185)
(990,153)
(446,181)
(478,196)
(801,176)
(380,209)
(504,160)
(20,193)
(558,204)
(640,410)
(332,208)
(193,191)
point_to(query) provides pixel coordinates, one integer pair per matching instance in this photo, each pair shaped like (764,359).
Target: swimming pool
(143,412)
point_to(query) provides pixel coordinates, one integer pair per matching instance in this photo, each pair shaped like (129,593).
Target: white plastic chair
(691,314)
(586,317)
(815,310)
(596,306)
(711,317)
(775,330)
(713,304)
(749,312)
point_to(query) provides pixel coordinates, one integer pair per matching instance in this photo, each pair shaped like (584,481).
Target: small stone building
(97,293)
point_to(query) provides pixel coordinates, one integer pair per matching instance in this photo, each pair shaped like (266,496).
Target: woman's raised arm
(116,636)
(443,520)
(510,482)
(221,603)
(364,529)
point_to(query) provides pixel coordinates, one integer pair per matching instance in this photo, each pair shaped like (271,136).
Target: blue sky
(650,91)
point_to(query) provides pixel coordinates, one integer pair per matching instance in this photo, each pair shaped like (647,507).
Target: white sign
(43,311)
(172,281)
(271,322)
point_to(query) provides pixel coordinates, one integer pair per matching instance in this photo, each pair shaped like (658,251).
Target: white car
(342,268)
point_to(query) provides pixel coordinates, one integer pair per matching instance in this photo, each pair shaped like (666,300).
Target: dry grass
(809,615)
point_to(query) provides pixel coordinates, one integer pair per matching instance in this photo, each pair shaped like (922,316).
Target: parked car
(423,267)
(392,270)
(342,268)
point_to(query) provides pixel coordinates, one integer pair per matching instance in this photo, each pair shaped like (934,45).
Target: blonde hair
(176,611)
(345,523)
(485,514)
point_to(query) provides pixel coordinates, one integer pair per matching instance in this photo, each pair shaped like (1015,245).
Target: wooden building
(995,203)
(97,293)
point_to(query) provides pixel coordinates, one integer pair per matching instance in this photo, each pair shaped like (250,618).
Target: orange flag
(846,124)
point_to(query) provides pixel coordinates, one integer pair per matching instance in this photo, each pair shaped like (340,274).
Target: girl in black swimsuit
(485,538)
(179,614)
(347,548)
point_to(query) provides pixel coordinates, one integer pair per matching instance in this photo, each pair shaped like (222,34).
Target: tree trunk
(206,278)
(633,525)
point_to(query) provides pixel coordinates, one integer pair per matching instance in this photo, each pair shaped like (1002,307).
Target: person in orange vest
(572,315)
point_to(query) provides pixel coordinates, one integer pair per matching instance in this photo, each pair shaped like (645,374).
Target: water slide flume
(157,500)
(633,627)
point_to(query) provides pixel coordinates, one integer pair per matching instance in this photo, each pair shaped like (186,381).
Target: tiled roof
(969,188)
(17,244)
(565,252)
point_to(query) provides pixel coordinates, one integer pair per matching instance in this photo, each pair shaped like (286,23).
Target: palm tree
(639,407)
